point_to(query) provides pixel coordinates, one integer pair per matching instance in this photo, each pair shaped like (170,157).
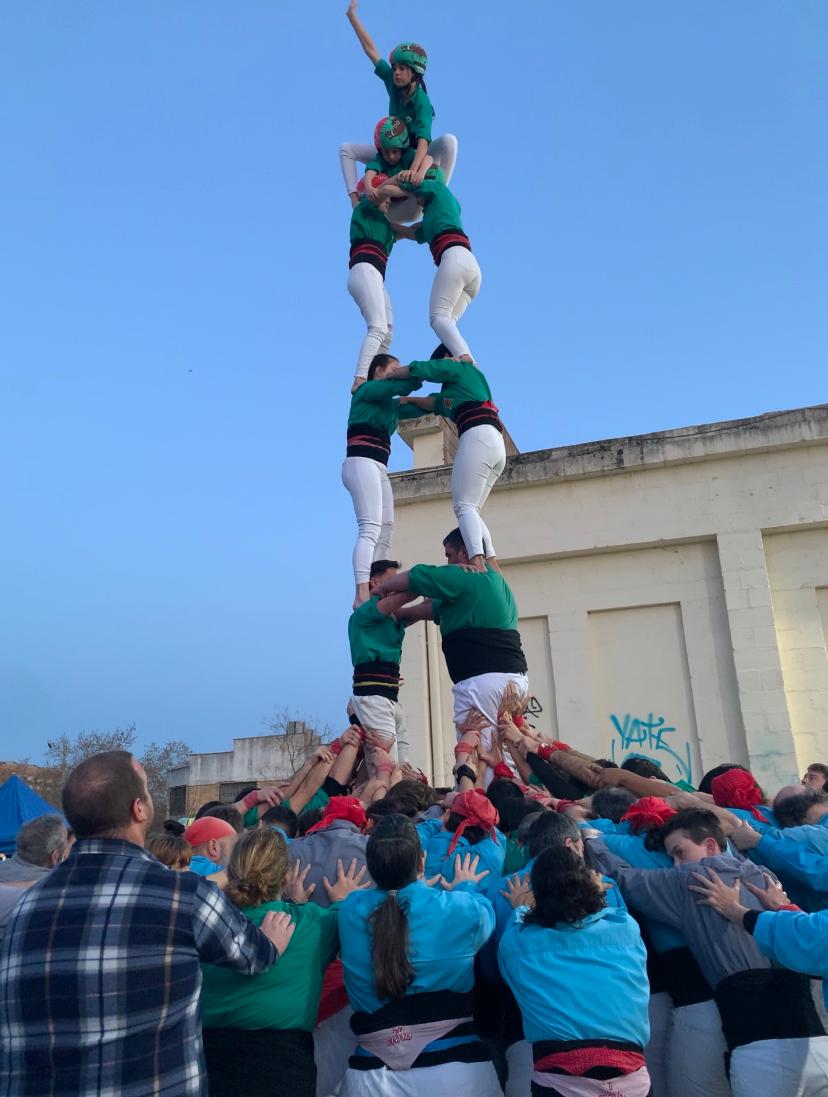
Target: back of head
(564,889)
(206,808)
(308,820)
(392,853)
(644,767)
(550,831)
(170,848)
(39,839)
(502,789)
(611,803)
(792,811)
(99,793)
(454,540)
(514,811)
(410,797)
(257,869)
(711,775)
(393,857)
(697,824)
(379,568)
(226,812)
(282,817)
(172,826)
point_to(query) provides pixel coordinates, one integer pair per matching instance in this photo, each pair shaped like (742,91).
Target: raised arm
(365,39)
(422,611)
(394,584)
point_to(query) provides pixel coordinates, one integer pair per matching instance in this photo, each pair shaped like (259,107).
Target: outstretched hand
(724,898)
(346,882)
(518,891)
(294,890)
(465,871)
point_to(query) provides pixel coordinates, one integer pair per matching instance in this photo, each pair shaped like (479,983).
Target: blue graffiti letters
(643,738)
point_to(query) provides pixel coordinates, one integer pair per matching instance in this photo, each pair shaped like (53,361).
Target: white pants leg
(443,151)
(456,283)
(484,692)
(367,481)
(333,1045)
(519,1069)
(447,1080)
(660,1011)
(351,154)
(367,287)
(696,1056)
(386,716)
(480,459)
(783,1068)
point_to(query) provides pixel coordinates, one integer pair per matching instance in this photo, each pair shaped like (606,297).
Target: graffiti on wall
(653,738)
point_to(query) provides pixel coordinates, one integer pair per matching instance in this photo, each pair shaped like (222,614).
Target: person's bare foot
(355,199)
(478,562)
(494,565)
(357,382)
(362,595)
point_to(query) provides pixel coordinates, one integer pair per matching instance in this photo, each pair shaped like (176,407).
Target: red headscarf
(502,770)
(648,813)
(477,811)
(341,807)
(736,788)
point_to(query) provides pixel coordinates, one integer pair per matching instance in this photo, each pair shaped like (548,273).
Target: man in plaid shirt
(100,971)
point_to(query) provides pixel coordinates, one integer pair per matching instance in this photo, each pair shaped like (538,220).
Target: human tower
(406,178)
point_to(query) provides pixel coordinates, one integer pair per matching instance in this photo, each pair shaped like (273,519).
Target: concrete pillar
(762,699)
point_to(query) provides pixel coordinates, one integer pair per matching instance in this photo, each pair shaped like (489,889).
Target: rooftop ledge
(731,438)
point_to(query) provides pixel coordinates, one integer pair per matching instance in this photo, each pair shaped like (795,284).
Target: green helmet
(390,133)
(409,53)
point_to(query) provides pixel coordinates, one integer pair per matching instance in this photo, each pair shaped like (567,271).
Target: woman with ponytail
(258,1032)
(578,971)
(408,952)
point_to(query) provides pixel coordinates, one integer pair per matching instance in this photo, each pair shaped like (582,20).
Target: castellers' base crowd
(551,924)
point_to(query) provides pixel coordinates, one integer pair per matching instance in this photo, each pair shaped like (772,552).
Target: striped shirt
(100,976)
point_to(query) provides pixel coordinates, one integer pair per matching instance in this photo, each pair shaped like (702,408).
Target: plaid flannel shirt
(100,977)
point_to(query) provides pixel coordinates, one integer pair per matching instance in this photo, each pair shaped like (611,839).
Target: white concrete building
(254,759)
(672,587)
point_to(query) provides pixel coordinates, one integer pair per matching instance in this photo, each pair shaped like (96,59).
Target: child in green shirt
(408,101)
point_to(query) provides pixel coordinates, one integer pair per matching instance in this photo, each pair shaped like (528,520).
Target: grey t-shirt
(341,841)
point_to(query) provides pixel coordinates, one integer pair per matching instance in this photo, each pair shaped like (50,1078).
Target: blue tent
(18,804)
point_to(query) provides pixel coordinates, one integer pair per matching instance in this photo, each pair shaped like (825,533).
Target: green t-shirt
(369,223)
(516,857)
(461,382)
(381,164)
(441,210)
(465,599)
(319,799)
(417,112)
(373,635)
(286,996)
(373,403)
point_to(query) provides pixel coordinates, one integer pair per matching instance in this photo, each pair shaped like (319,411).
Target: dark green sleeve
(438,581)
(442,369)
(410,411)
(251,817)
(383,71)
(373,165)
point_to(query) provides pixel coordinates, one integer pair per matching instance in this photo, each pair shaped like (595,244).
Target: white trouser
(454,1079)
(386,716)
(696,1058)
(480,459)
(367,481)
(367,287)
(781,1068)
(484,692)
(660,1012)
(520,1067)
(456,284)
(442,150)
(333,1045)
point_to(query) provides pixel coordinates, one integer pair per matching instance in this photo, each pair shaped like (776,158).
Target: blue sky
(645,186)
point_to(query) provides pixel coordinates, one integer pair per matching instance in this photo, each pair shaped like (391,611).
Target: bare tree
(300,739)
(158,759)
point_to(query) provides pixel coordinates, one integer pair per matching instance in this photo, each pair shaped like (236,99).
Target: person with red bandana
(469,827)
(338,837)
